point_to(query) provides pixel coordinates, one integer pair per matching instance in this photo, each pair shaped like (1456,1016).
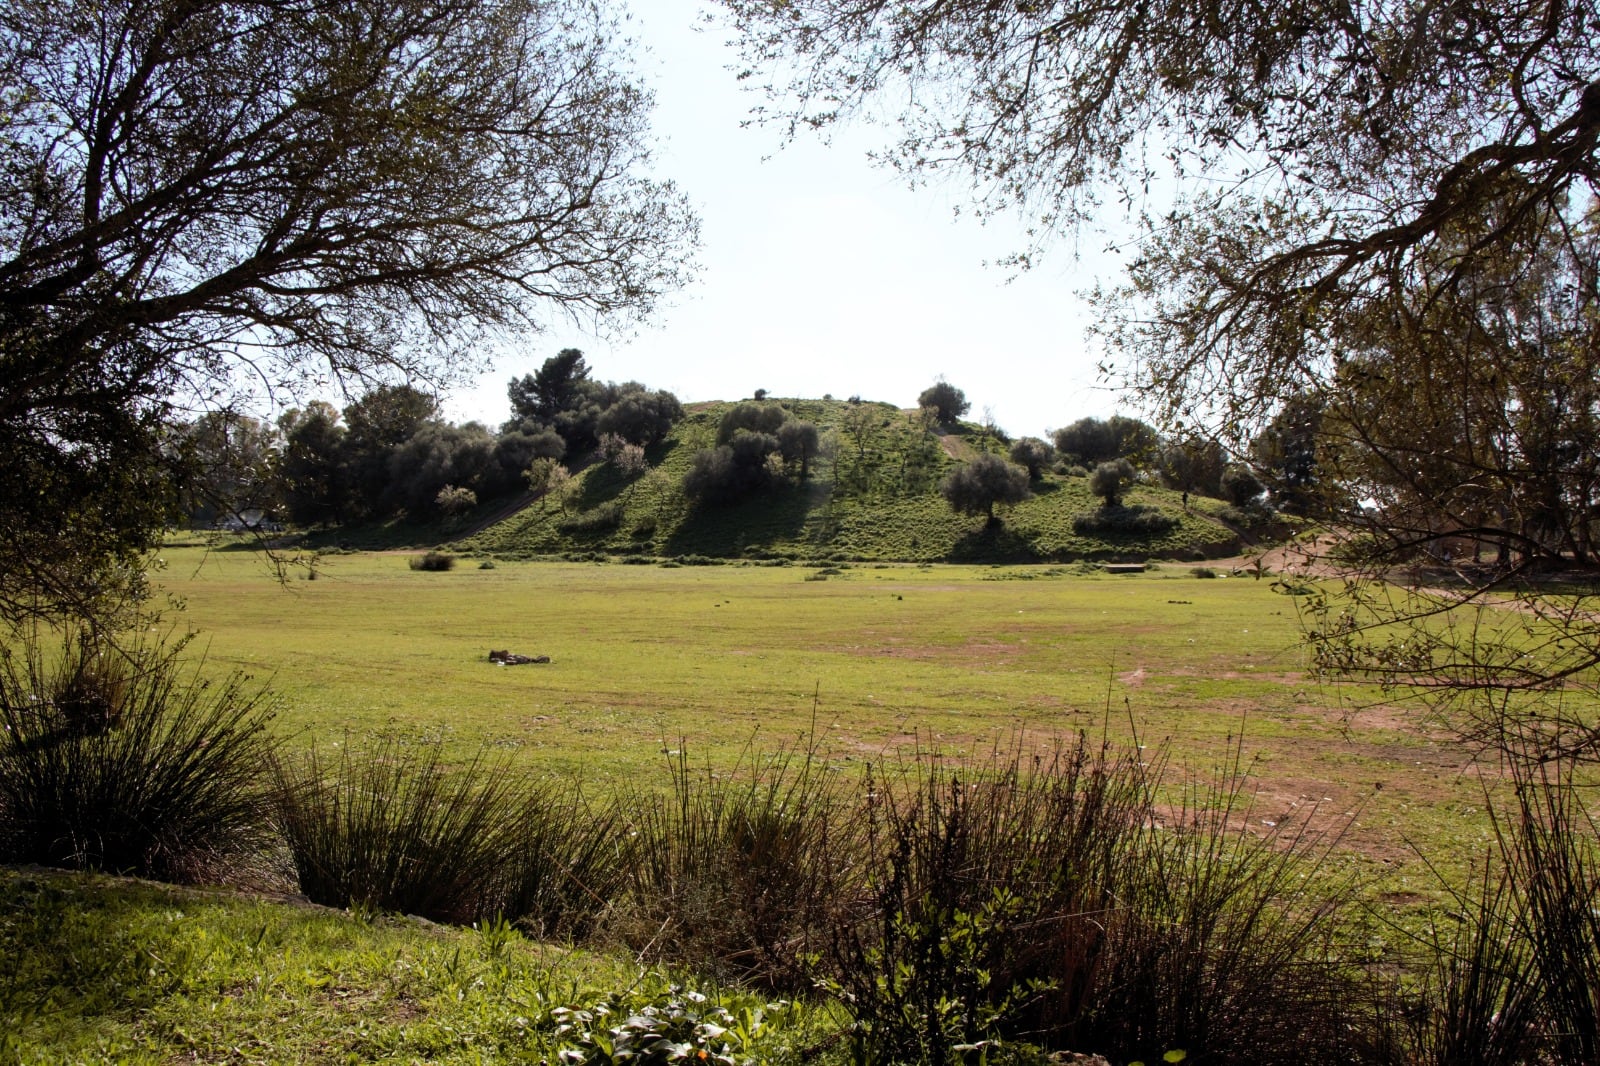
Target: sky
(822,274)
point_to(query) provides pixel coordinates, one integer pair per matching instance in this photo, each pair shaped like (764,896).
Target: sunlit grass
(874,659)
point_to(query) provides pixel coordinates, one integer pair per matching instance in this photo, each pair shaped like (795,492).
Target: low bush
(126,760)
(1135,521)
(603,519)
(433,561)
(1517,978)
(659,1026)
(1253,516)
(565,862)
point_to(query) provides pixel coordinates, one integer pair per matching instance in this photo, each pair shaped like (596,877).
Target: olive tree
(1110,480)
(1033,455)
(948,402)
(197,195)
(977,487)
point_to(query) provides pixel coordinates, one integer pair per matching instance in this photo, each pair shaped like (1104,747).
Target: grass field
(866,665)
(874,659)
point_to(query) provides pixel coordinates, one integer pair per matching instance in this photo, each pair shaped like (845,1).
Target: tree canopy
(987,481)
(949,402)
(193,191)
(1367,229)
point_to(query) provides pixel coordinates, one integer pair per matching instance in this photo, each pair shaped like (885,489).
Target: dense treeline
(389,453)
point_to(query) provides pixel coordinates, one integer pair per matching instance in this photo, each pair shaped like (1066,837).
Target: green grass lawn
(103,970)
(872,659)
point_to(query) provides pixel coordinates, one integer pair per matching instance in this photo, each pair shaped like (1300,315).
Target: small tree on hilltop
(1110,480)
(945,398)
(984,482)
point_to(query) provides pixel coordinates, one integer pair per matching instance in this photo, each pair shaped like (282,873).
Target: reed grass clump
(127,760)
(742,871)
(1056,902)
(393,828)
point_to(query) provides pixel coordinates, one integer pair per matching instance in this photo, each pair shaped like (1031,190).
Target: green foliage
(1110,480)
(455,500)
(1044,900)
(1113,521)
(553,388)
(1091,441)
(603,519)
(752,418)
(1034,455)
(436,562)
(734,470)
(869,492)
(391,829)
(1193,466)
(566,860)
(1285,455)
(656,1028)
(946,401)
(987,481)
(740,872)
(125,759)
(1240,486)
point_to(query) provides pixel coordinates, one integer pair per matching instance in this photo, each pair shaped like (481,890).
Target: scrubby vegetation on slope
(872,494)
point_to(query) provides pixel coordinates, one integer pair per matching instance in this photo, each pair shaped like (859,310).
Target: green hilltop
(871,495)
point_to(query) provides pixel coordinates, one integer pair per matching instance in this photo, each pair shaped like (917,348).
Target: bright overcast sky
(825,275)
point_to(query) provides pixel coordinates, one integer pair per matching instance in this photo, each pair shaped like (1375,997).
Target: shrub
(948,402)
(1135,521)
(657,1027)
(1033,455)
(1254,516)
(750,462)
(393,830)
(1517,980)
(602,519)
(1203,571)
(980,485)
(433,561)
(455,500)
(122,759)
(1240,486)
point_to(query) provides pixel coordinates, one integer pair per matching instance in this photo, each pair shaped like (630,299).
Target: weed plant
(126,760)
(1517,978)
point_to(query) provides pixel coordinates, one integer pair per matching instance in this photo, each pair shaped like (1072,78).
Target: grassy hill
(873,496)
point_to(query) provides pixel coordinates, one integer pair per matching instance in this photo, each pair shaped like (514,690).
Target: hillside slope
(872,496)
